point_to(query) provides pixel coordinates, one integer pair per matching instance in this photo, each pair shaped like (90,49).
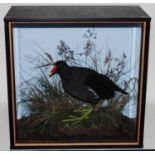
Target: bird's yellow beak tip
(50,74)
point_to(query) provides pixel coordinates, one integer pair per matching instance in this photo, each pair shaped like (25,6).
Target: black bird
(85,84)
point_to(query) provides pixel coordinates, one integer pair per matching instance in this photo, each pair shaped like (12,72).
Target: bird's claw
(76,119)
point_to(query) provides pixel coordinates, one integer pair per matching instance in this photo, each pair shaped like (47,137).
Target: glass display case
(76,76)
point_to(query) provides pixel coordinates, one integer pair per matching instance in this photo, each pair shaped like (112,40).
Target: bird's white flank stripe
(94,93)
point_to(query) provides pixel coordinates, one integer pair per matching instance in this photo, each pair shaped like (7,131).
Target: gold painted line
(141,80)
(74,22)
(12,82)
(63,144)
(76,144)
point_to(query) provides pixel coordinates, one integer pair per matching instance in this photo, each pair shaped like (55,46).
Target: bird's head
(57,67)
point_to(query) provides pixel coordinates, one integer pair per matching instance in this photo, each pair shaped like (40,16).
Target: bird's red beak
(53,70)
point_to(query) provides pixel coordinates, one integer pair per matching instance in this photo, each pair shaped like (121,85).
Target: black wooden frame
(144,22)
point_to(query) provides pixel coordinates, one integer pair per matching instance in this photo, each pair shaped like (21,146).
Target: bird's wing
(102,85)
(84,93)
(95,95)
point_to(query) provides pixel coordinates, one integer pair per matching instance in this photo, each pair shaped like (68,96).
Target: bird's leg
(97,106)
(84,113)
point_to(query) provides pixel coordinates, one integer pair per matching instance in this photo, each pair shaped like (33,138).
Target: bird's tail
(121,90)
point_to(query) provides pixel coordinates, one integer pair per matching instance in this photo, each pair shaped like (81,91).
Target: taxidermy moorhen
(86,85)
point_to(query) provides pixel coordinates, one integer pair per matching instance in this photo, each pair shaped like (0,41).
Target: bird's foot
(83,112)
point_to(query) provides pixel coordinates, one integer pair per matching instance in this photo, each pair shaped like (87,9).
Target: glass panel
(81,102)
